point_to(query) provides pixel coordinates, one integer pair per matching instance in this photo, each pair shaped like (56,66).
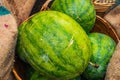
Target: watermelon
(32,74)
(29,71)
(82,11)
(103,47)
(54,44)
(37,76)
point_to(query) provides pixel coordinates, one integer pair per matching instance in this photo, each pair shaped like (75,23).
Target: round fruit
(103,47)
(81,10)
(54,44)
(32,74)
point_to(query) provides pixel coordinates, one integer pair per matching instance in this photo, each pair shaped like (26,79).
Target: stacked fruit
(58,43)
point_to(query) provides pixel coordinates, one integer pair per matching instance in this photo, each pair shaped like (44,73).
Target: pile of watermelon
(58,44)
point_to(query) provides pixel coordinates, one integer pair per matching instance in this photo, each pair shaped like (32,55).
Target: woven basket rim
(110,26)
(102,7)
(103,3)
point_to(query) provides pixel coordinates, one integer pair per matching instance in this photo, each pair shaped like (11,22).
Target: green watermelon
(37,76)
(82,11)
(103,47)
(29,71)
(32,74)
(54,44)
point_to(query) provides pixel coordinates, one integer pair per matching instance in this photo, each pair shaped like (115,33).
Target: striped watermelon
(54,44)
(32,74)
(81,10)
(37,76)
(103,47)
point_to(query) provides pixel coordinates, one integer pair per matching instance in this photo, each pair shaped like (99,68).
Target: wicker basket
(101,26)
(101,8)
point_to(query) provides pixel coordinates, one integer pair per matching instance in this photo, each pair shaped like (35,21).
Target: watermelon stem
(45,5)
(94,65)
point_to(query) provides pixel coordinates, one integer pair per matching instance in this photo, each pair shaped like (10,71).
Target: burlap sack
(20,8)
(11,77)
(113,70)
(113,17)
(8,35)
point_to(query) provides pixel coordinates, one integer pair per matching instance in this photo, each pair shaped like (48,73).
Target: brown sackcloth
(12,77)
(113,17)
(20,8)
(113,70)
(8,35)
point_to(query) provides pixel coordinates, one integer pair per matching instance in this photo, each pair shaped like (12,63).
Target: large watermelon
(81,10)
(54,44)
(103,47)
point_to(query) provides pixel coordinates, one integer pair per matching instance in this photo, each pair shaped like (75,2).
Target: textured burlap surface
(113,70)
(8,36)
(20,8)
(113,17)
(11,77)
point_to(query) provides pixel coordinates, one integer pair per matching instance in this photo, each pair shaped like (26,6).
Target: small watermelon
(54,44)
(103,47)
(82,11)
